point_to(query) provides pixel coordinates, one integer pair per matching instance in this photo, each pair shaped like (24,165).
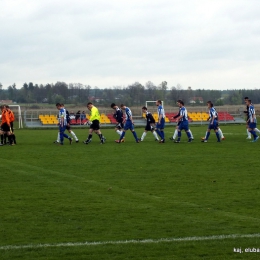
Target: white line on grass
(142,241)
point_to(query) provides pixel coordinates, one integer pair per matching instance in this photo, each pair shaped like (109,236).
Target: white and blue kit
(161,113)
(213,115)
(62,117)
(251,117)
(183,124)
(184,121)
(128,122)
(252,122)
(128,125)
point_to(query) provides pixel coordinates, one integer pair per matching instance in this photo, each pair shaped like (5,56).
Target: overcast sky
(210,44)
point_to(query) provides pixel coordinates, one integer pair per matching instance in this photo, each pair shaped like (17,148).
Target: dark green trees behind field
(133,94)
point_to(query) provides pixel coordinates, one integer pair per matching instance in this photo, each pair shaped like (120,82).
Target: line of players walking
(124,118)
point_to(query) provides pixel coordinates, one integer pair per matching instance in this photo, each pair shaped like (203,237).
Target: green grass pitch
(111,193)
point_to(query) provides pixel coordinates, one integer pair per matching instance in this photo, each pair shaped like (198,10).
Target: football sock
(100,136)
(2,139)
(66,136)
(253,133)
(58,138)
(179,135)
(119,132)
(14,139)
(248,133)
(175,134)
(159,133)
(220,133)
(89,137)
(122,135)
(155,135)
(257,130)
(10,139)
(136,138)
(61,137)
(162,134)
(143,136)
(207,135)
(73,134)
(217,134)
(191,135)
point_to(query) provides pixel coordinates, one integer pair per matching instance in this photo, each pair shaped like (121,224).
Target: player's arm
(160,116)
(179,117)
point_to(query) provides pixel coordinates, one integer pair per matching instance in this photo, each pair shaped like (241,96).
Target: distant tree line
(133,94)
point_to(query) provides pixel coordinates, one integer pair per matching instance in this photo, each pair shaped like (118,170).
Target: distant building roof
(6,101)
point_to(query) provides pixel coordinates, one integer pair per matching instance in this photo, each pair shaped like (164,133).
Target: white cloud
(203,44)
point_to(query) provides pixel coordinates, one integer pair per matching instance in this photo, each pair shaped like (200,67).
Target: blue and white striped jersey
(128,114)
(251,114)
(160,110)
(183,112)
(62,114)
(213,113)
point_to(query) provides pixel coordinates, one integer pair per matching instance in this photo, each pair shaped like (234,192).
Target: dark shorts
(95,125)
(62,129)
(120,125)
(184,125)
(129,125)
(5,127)
(161,125)
(149,127)
(252,125)
(68,127)
(214,125)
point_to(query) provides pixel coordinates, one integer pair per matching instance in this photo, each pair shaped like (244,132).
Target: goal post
(19,113)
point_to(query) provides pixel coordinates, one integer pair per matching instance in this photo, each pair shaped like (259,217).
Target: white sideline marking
(142,241)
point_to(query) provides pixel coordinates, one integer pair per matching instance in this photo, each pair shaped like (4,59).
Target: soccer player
(12,118)
(94,124)
(150,124)
(62,123)
(183,122)
(128,124)
(252,120)
(213,122)
(247,119)
(161,121)
(119,116)
(6,126)
(176,128)
(68,127)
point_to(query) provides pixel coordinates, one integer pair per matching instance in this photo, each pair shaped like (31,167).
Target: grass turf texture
(76,193)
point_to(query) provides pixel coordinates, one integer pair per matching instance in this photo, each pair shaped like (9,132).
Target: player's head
(209,104)
(58,105)
(248,102)
(158,102)
(180,103)
(3,107)
(61,104)
(245,99)
(113,105)
(89,105)
(144,109)
(123,106)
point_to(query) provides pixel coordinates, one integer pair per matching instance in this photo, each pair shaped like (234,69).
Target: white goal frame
(20,121)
